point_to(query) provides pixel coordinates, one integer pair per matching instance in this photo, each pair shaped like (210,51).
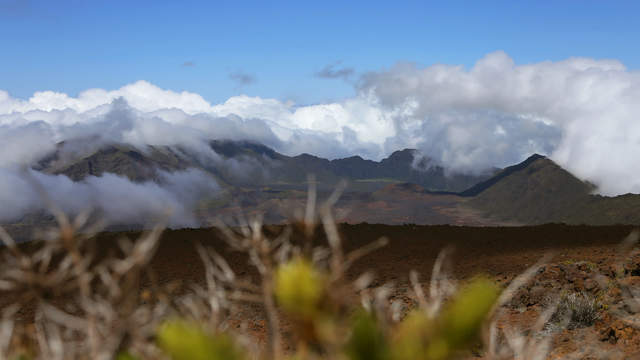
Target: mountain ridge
(393,190)
(142,164)
(480,187)
(538,191)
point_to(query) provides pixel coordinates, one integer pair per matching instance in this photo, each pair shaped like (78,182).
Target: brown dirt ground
(500,252)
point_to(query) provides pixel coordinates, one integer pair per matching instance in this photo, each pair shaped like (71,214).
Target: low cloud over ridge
(119,200)
(581,112)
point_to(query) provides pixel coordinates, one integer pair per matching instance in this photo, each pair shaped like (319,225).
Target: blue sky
(70,46)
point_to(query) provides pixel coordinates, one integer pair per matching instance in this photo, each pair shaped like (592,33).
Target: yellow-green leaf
(367,341)
(299,287)
(183,340)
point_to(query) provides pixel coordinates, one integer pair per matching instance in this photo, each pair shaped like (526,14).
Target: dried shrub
(330,315)
(576,310)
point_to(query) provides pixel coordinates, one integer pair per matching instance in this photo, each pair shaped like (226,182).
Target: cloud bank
(581,112)
(118,200)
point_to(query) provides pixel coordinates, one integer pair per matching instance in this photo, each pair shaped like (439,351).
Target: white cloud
(119,200)
(582,112)
(141,116)
(141,95)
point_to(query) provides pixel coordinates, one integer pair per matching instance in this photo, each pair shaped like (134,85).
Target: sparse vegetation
(576,310)
(70,301)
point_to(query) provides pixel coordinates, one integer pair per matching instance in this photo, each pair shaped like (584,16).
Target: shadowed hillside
(249,164)
(122,160)
(539,191)
(400,189)
(482,186)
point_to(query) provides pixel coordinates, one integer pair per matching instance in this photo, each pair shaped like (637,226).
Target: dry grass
(576,310)
(90,306)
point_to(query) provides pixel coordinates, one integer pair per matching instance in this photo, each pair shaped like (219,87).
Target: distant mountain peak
(534,157)
(307,155)
(482,186)
(232,148)
(536,191)
(404,153)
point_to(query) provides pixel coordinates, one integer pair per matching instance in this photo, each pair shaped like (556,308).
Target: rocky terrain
(585,260)
(588,269)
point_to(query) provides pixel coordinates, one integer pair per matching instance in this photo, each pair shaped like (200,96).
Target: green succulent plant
(299,287)
(453,329)
(183,340)
(367,340)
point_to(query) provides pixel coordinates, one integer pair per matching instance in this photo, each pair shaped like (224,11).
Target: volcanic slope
(539,191)
(119,159)
(261,180)
(248,164)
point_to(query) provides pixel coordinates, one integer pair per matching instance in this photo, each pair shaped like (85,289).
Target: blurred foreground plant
(301,286)
(305,285)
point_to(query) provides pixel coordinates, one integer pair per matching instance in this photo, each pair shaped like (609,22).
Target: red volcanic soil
(499,252)
(394,204)
(496,251)
(581,254)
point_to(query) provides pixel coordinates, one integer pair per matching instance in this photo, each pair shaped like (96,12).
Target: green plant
(329,315)
(183,340)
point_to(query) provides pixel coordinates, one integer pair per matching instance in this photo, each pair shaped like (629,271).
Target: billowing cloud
(118,199)
(581,112)
(283,126)
(141,95)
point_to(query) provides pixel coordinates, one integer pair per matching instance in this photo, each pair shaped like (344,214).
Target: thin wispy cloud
(243,78)
(335,71)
